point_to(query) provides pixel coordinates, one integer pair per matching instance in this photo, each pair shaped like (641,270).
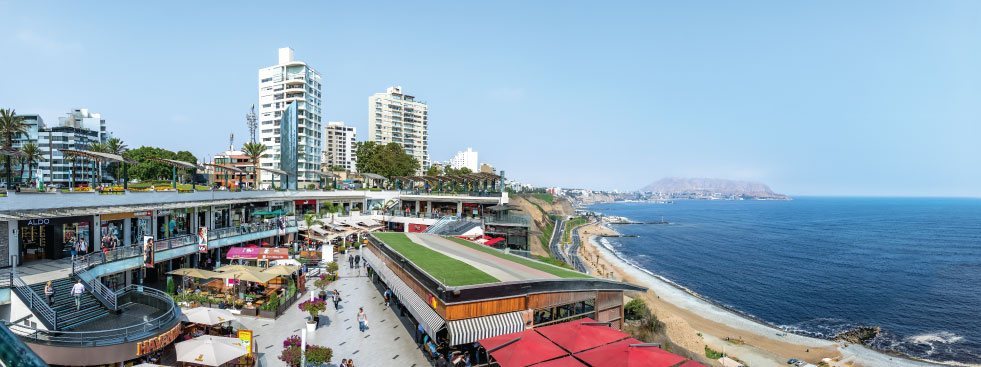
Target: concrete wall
(19,309)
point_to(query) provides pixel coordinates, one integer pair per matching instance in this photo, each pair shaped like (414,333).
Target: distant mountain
(712,187)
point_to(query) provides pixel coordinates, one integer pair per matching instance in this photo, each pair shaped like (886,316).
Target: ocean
(820,266)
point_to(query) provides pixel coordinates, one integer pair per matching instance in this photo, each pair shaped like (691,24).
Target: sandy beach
(692,323)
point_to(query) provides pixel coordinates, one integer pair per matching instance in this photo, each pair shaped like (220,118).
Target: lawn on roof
(551,269)
(445,269)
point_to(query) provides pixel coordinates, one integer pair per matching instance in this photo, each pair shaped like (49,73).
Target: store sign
(159,342)
(144,213)
(39,222)
(163,212)
(246,337)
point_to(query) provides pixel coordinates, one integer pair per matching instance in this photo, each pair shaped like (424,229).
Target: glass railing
(13,352)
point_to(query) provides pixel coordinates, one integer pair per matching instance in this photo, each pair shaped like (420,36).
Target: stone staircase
(64,304)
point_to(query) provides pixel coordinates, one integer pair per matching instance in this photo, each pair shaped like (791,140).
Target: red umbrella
(567,361)
(629,353)
(521,349)
(579,335)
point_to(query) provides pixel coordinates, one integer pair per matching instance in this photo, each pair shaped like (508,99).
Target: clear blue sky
(811,97)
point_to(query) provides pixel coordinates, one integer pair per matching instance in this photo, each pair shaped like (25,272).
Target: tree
(433,171)
(388,160)
(11,126)
(148,169)
(32,154)
(310,219)
(115,146)
(254,151)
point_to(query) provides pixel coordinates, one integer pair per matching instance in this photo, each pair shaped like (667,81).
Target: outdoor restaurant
(241,289)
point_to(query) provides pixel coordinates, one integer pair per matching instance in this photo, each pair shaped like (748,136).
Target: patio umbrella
(196,273)
(249,275)
(292,262)
(231,268)
(209,350)
(208,316)
(281,270)
(629,353)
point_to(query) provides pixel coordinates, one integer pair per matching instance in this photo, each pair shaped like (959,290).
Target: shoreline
(693,321)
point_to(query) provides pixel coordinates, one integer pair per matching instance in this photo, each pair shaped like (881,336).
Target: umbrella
(209,350)
(208,316)
(229,268)
(281,270)
(249,275)
(196,273)
(286,262)
(629,352)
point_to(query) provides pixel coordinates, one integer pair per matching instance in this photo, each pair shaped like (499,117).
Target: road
(573,255)
(554,246)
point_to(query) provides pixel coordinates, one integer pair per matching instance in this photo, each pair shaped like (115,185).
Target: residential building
(340,149)
(240,169)
(280,85)
(395,117)
(487,168)
(78,130)
(466,158)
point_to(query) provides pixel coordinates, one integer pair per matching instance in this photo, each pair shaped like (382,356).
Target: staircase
(458,228)
(440,223)
(64,304)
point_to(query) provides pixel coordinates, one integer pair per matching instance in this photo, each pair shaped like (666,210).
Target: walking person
(77,290)
(49,292)
(388,296)
(357,261)
(362,319)
(337,299)
(350,261)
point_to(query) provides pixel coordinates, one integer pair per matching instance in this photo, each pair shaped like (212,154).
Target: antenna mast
(252,122)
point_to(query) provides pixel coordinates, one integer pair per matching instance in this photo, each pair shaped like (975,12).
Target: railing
(105,295)
(13,352)
(34,301)
(121,335)
(508,219)
(6,280)
(486,193)
(175,242)
(441,223)
(241,229)
(82,263)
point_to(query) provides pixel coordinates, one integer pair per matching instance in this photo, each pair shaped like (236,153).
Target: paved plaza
(387,342)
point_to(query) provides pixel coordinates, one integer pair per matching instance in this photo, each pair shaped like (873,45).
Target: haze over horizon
(834,98)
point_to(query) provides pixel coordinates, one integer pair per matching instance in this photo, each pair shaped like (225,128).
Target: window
(566,312)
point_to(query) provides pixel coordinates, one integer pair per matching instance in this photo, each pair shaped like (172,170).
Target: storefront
(53,238)
(305,206)
(173,222)
(140,226)
(113,225)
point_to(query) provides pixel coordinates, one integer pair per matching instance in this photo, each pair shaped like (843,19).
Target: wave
(938,337)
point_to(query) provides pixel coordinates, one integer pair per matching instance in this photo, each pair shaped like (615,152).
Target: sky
(810,97)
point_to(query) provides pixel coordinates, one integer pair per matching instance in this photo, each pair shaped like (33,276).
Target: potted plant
(316,355)
(314,308)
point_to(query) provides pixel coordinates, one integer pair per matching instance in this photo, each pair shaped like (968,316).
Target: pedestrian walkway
(40,271)
(387,342)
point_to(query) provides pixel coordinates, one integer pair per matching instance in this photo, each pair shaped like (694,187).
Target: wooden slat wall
(606,300)
(554,299)
(484,308)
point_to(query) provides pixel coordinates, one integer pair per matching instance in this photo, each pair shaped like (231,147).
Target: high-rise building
(466,158)
(340,148)
(78,130)
(395,117)
(280,85)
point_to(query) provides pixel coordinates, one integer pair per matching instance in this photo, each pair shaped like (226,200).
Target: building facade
(78,130)
(395,117)
(280,85)
(239,172)
(340,149)
(466,158)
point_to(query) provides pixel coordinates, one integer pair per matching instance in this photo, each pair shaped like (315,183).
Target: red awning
(274,253)
(629,353)
(248,253)
(526,348)
(493,241)
(567,361)
(579,335)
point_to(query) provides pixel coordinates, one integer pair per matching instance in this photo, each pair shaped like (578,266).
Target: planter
(249,311)
(271,314)
(312,325)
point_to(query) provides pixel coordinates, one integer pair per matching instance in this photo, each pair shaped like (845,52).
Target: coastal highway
(573,255)
(553,246)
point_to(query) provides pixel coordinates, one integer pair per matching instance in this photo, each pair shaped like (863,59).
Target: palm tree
(32,154)
(11,126)
(115,146)
(254,151)
(310,219)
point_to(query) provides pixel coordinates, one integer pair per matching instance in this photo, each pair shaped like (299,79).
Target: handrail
(105,295)
(35,302)
(106,337)
(82,263)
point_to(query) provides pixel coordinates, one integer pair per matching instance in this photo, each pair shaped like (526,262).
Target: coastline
(693,322)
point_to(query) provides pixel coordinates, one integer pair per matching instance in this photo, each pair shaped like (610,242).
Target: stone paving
(387,342)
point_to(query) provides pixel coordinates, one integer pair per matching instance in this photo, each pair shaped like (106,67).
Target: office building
(340,149)
(78,130)
(395,117)
(291,81)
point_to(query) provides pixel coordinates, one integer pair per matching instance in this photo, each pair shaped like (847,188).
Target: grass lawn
(569,225)
(447,270)
(548,198)
(551,269)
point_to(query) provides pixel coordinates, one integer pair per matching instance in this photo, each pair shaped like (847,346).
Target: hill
(712,187)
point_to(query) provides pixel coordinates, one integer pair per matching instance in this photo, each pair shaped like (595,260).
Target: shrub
(171,288)
(271,304)
(712,353)
(636,309)
(332,267)
(314,307)
(315,354)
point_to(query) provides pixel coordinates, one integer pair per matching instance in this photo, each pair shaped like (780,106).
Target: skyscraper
(394,117)
(340,149)
(280,85)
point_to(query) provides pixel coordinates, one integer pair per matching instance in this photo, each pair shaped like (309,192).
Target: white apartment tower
(466,158)
(394,117)
(340,147)
(279,85)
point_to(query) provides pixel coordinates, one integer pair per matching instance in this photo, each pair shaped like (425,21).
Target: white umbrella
(208,316)
(209,350)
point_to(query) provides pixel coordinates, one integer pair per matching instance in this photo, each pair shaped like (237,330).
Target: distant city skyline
(835,98)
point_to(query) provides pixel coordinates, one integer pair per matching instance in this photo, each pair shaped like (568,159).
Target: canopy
(281,270)
(229,268)
(494,241)
(629,353)
(567,361)
(209,316)
(248,253)
(372,176)
(276,212)
(257,253)
(521,349)
(196,273)
(95,155)
(209,350)
(249,276)
(286,262)
(470,330)
(274,253)
(579,335)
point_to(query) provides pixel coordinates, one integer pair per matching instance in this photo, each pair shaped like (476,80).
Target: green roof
(548,268)
(445,269)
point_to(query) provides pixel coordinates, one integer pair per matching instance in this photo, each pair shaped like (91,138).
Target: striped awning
(431,321)
(471,330)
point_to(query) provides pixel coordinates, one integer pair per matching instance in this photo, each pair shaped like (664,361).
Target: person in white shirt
(77,290)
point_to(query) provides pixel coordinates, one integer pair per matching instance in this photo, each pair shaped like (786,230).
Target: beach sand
(692,323)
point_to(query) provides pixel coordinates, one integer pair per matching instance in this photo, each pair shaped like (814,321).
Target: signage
(117,216)
(39,222)
(148,249)
(203,239)
(143,213)
(159,342)
(163,212)
(246,337)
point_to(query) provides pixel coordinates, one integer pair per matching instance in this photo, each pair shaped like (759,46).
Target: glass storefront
(566,312)
(53,238)
(173,222)
(140,227)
